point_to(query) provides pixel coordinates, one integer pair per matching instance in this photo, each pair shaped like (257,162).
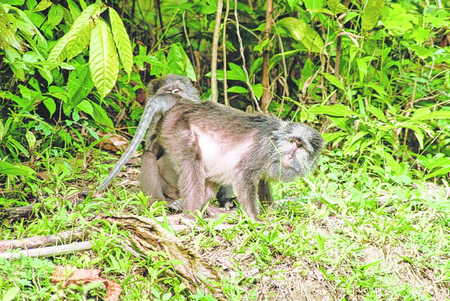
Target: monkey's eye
(297,142)
(175,91)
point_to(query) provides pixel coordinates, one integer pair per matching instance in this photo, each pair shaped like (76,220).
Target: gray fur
(166,85)
(266,149)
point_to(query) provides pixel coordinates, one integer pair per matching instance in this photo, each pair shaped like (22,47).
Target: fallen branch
(39,241)
(50,251)
(16,213)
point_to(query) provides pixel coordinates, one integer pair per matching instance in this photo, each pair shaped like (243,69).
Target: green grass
(342,234)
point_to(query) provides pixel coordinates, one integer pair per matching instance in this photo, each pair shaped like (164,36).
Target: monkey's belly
(221,158)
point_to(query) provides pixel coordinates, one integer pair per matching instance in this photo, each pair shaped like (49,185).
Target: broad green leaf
(18,145)
(261,46)
(371,14)
(302,32)
(43,5)
(73,9)
(122,41)
(439,172)
(422,52)
(31,140)
(420,136)
(281,56)
(30,24)
(314,4)
(101,116)
(351,148)
(103,59)
(377,112)
(15,170)
(397,19)
(236,73)
(238,89)
(433,115)
(6,31)
(362,68)
(336,7)
(258,90)
(380,90)
(86,106)
(73,42)
(402,179)
(292,3)
(179,62)
(50,105)
(334,80)
(55,14)
(79,86)
(11,294)
(358,136)
(329,137)
(335,110)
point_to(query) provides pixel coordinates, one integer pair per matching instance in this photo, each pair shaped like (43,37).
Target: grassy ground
(341,234)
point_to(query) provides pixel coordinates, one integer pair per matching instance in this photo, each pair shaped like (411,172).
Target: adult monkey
(158,178)
(210,145)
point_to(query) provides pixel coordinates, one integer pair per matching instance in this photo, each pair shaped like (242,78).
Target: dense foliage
(374,77)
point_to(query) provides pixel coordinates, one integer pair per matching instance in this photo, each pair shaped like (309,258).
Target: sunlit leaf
(103,59)
(258,90)
(302,32)
(43,5)
(100,116)
(335,110)
(79,85)
(433,115)
(238,89)
(14,170)
(73,42)
(439,172)
(236,73)
(50,105)
(122,41)
(336,7)
(397,19)
(371,14)
(334,80)
(377,112)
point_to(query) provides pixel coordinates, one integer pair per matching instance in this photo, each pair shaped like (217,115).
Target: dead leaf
(113,142)
(69,275)
(148,235)
(43,175)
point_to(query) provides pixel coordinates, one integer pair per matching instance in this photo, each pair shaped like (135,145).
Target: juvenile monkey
(210,145)
(158,178)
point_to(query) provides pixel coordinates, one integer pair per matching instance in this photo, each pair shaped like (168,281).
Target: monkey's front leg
(264,193)
(246,193)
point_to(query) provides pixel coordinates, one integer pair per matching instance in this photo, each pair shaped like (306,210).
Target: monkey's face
(299,151)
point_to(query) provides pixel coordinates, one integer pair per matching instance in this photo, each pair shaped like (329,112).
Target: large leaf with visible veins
(103,59)
(73,42)
(122,40)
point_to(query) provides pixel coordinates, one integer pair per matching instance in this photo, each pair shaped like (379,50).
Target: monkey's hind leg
(150,180)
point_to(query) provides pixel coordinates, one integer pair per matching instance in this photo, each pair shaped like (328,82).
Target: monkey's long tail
(156,105)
